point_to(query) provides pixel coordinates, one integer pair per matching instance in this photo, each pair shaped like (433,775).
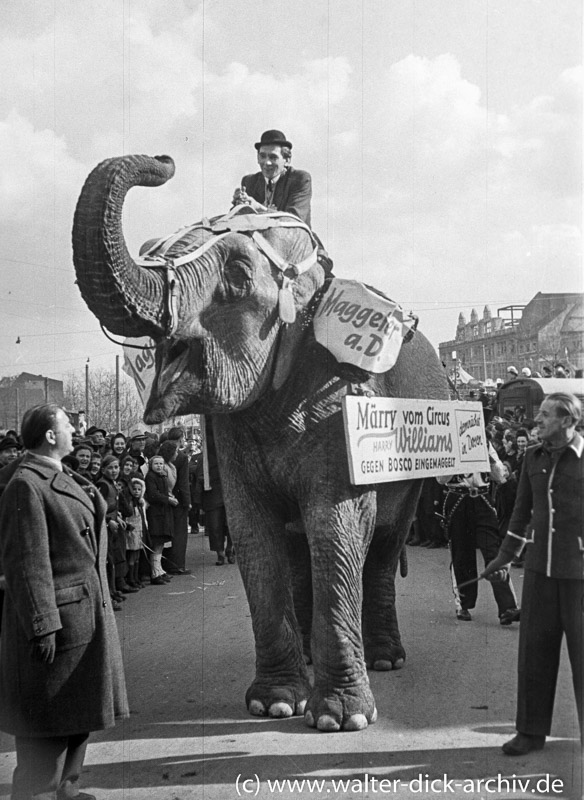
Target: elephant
(274,395)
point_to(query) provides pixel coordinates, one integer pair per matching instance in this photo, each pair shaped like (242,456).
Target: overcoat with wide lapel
(53,546)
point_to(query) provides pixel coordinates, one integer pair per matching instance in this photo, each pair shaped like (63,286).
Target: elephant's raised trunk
(126,298)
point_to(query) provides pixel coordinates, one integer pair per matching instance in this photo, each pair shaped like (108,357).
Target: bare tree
(102,399)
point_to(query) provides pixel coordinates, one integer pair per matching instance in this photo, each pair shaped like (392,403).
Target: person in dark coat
(6,474)
(548,520)
(159,515)
(175,556)
(61,673)
(212,503)
(195,465)
(278,186)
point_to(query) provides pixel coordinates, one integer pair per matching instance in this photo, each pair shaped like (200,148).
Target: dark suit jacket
(293,192)
(53,551)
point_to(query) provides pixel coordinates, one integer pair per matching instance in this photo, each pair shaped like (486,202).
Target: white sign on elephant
(391,439)
(360,326)
(139,364)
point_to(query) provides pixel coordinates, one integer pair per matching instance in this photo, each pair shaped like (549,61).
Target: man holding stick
(548,519)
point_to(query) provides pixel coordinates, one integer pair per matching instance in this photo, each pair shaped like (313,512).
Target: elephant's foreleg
(381,636)
(337,533)
(299,557)
(281,685)
(395,509)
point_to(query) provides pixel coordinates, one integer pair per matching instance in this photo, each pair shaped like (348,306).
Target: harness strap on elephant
(241,219)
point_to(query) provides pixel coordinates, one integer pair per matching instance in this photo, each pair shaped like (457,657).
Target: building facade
(549,329)
(23,391)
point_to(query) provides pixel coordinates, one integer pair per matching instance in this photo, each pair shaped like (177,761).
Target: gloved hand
(44,648)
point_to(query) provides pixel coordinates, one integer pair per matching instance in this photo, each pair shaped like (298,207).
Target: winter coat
(116,538)
(212,498)
(53,544)
(182,488)
(159,513)
(136,521)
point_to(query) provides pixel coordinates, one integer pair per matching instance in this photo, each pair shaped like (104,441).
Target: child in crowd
(128,468)
(83,453)
(159,516)
(95,467)
(117,567)
(135,530)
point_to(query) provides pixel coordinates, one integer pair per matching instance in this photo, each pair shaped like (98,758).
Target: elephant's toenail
(257,708)
(357,722)
(381,665)
(327,723)
(280,710)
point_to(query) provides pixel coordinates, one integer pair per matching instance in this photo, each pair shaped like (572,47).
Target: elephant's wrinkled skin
(275,401)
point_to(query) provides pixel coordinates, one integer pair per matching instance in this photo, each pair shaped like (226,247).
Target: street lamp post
(118,393)
(87,414)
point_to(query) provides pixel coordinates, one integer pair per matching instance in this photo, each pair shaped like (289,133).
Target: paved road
(189,659)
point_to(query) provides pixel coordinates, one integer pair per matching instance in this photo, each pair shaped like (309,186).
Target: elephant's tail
(403,562)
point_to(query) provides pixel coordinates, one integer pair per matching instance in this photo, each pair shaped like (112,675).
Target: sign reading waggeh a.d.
(391,439)
(361,326)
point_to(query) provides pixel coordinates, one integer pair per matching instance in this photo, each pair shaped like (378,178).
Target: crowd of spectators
(153,487)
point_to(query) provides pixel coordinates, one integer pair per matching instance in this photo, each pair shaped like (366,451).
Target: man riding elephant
(278,186)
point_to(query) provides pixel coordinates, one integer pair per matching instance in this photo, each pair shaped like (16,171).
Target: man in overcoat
(61,673)
(548,520)
(278,186)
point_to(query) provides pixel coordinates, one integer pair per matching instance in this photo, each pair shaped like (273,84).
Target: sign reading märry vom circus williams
(390,439)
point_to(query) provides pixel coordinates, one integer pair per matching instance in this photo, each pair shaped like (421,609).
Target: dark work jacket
(292,192)
(549,511)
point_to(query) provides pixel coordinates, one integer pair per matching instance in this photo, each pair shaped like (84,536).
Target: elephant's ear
(290,336)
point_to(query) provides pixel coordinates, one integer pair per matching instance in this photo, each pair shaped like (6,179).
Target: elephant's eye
(237,276)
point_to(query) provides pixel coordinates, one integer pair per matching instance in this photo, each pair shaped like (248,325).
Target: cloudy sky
(443,138)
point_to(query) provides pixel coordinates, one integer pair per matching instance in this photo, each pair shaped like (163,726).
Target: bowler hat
(7,442)
(273,137)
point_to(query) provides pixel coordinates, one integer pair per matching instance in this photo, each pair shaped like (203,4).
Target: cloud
(36,170)
(540,143)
